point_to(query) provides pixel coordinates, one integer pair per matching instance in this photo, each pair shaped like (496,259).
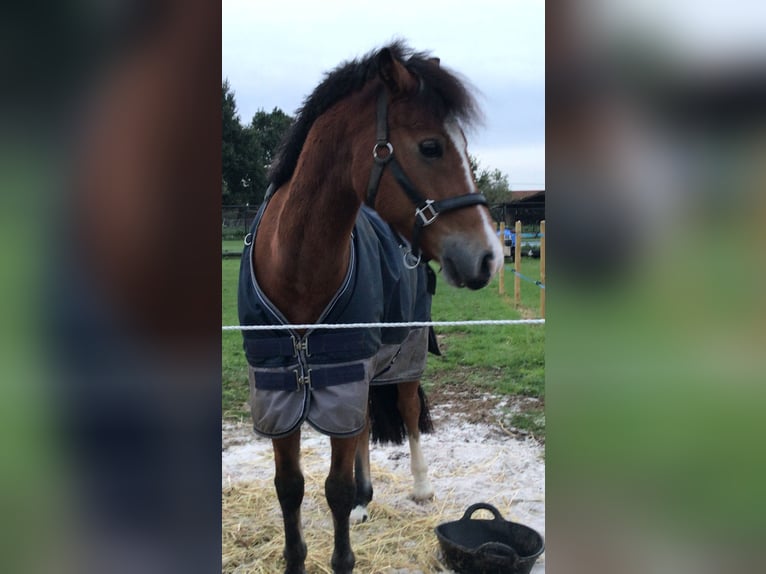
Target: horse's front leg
(290,486)
(341,491)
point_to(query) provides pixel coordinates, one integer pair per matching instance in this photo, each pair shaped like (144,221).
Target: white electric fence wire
(382,325)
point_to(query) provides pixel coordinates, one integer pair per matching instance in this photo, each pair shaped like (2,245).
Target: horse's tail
(387,425)
(425,424)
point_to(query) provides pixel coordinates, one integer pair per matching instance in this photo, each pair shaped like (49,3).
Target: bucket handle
(482,506)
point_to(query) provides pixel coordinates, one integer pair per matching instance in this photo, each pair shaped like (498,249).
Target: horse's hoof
(343,565)
(422,494)
(295,564)
(359,515)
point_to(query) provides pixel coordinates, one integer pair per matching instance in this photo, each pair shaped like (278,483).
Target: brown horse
(311,259)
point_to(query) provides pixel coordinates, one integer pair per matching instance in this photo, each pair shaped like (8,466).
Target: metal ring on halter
(250,235)
(410,261)
(379,146)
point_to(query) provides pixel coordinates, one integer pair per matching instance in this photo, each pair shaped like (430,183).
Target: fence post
(542,268)
(501,279)
(517,266)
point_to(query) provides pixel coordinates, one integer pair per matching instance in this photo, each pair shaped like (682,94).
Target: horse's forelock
(446,94)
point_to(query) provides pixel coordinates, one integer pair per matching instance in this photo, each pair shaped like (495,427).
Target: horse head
(421,181)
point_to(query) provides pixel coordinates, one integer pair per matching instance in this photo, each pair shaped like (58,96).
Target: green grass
(530,293)
(532,421)
(234,366)
(506,359)
(231,245)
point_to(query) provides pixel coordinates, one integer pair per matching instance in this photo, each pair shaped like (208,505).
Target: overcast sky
(276,52)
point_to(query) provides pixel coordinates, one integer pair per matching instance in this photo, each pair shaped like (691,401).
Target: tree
(247,152)
(492,183)
(269,129)
(262,138)
(242,167)
(230,137)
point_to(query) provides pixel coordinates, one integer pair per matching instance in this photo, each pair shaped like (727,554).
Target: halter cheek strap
(426,210)
(382,152)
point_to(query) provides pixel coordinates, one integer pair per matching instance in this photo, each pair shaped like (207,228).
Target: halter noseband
(426,210)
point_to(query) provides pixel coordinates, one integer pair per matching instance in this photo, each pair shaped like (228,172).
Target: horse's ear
(394,75)
(435,61)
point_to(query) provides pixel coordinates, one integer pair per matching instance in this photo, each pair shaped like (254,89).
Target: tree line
(249,149)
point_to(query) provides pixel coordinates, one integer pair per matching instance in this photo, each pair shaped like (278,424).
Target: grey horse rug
(323,376)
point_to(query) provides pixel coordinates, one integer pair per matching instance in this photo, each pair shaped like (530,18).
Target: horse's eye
(431,148)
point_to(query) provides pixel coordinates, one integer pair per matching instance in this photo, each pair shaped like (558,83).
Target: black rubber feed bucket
(495,546)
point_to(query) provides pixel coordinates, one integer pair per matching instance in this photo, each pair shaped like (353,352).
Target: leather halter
(426,210)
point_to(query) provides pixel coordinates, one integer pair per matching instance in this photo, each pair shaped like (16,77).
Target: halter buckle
(427,213)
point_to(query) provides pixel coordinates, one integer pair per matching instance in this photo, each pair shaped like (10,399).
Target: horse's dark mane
(443,93)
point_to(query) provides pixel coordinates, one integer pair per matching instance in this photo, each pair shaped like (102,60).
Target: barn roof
(526,194)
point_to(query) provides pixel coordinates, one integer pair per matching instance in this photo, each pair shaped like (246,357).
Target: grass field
(506,359)
(231,245)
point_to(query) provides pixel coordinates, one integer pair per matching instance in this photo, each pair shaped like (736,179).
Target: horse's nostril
(484,272)
(486,264)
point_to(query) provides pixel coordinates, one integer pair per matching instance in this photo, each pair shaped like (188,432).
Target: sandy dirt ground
(472,455)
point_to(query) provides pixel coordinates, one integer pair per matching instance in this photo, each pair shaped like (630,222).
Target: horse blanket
(323,375)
